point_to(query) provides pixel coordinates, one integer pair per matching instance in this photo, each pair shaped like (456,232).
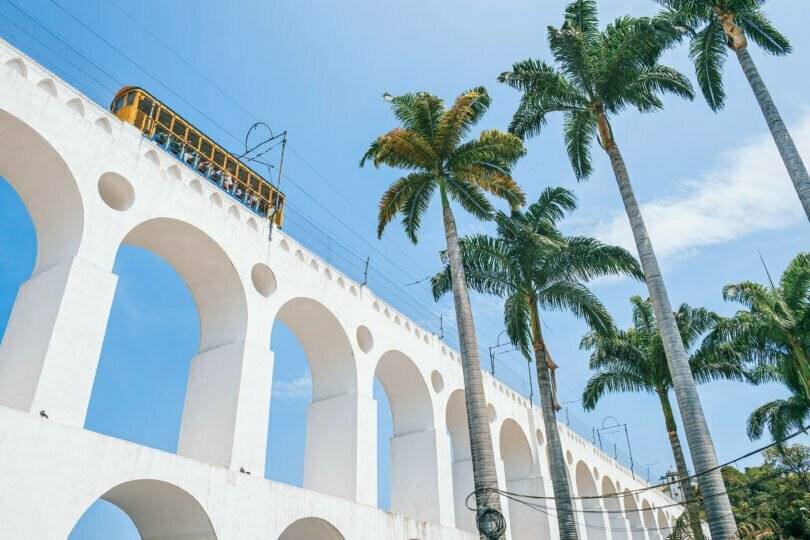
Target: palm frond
(397,196)
(577,300)
(708,52)
(579,130)
(401,148)
(551,206)
(470,197)
(419,112)
(604,382)
(761,30)
(517,319)
(456,122)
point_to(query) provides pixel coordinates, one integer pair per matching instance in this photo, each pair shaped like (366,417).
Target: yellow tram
(188,144)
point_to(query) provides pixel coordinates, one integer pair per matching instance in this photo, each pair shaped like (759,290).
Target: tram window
(219,157)
(130,98)
(179,128)
(165,118)
(117,104)
(206,147)
(231,166)
(242,174)
(145,105)
(193,138)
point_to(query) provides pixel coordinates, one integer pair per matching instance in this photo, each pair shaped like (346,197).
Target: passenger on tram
(227,181)
(252,201)
(191,157)
(203,167)
(216,176)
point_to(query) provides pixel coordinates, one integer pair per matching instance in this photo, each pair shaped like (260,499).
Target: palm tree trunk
(556,460)
(692,507)
(781,135)
(483,458)
(717,505)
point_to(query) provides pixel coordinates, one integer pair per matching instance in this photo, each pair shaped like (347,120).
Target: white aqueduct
(92,183)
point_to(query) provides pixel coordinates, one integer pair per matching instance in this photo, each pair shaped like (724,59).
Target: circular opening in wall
(541,440)
(492,414)
(364,339)
(263,279)
(437,381)
(116,191)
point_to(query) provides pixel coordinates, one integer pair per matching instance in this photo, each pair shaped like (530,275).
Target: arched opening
(179,301)
(412,462)
(648,516)
(315,378)
(42,213)
(592,511)
(631,510)
(158,510)
(311,529)
(524,522)
(46,187)
(615,516)
(463,485)
(663,524)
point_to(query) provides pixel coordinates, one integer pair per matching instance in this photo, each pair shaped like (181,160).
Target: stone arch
(47,188)
(631,510)
(337,412)
(648,516)
(161,511)
(516,454)
(311,528)
(326,344)
(206,269)
(615,515)
(413,459)
(592,509)
(461,457)
(663,524)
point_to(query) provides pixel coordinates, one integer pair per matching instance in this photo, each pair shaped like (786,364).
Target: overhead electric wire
(655,486)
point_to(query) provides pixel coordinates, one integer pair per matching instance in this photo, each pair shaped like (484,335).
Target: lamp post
(497,345)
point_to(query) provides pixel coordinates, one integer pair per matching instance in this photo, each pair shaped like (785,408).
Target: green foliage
(772,333)
(595,73)
(702,19)
(770,501)
(429,144)
(530,262)
(778,490)
(634,360)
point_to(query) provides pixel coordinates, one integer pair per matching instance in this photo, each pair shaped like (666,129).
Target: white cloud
(746,191)
(296,389)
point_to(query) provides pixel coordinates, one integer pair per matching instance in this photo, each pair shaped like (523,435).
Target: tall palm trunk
(716,503)
(557,467)
(692,507)
(781,136)
(483,458)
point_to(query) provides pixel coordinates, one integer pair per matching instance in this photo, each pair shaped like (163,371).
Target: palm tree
(773,332)
(535,267)
(719,25)
(429,144)
(601,73)
(633,360)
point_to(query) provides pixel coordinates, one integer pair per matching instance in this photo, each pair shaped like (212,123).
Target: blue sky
(712,189)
